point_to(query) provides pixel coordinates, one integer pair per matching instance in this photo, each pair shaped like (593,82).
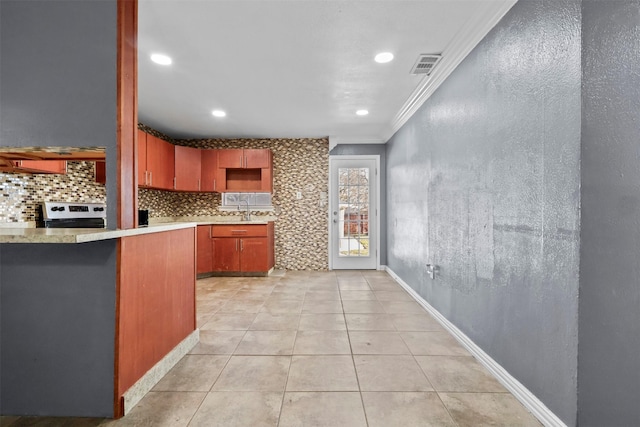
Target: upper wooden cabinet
(142,159)
(165,166)
(209,170)
(247,170)
(257,158)
(156,162)
(230,158)
(187,167)
(42,166)
(244,158)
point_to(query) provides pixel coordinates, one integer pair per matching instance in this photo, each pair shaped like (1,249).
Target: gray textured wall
(609,349)
(58,85)
(379,150)
(484,181)
(57,310)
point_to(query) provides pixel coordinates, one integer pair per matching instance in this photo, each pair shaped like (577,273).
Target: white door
(353,215)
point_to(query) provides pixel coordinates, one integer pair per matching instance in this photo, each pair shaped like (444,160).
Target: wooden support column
(127,113)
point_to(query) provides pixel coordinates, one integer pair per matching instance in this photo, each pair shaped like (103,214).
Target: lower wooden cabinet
(242,249)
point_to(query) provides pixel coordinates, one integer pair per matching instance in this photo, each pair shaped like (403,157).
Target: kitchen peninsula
(84,334)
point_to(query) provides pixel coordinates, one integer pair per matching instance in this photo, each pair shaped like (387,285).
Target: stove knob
(98,209)
(61,208)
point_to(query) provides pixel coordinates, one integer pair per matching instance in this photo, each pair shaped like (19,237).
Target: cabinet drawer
(239,230)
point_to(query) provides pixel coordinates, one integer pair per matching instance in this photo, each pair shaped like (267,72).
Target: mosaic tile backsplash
(21,193)
(299,165)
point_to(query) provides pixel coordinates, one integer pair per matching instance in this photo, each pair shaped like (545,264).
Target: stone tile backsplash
(299,165)
(21,193)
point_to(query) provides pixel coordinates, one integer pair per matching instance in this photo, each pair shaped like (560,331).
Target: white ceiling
(298,68)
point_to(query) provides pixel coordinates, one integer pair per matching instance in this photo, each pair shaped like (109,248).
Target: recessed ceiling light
(362,112)
(384,57)
(161,59)
(218,113)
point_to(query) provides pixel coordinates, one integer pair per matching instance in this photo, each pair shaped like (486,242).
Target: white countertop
(81,235)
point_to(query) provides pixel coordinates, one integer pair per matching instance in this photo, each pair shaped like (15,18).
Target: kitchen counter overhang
(82,235)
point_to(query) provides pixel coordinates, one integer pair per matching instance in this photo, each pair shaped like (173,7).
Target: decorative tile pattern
(299,165)
(21,193)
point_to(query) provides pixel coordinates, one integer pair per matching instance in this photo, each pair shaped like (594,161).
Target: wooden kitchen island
(83,334)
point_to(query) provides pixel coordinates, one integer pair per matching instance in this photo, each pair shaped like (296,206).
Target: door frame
(376,224)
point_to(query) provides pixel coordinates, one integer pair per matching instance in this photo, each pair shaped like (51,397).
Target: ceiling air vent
(425,64)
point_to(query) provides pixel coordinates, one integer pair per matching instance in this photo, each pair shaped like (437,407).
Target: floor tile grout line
(353,361)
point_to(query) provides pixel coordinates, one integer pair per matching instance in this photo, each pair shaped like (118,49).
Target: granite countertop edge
(82,235)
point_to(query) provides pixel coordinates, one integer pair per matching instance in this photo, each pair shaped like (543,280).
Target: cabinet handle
(198,184)
(150,178)
(238,231)
(241,165)
(246,163)
(236,245)
(241,245)
(174,182)
(210,231)
(214,185)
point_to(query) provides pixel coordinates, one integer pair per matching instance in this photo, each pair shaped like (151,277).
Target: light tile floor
(334,349)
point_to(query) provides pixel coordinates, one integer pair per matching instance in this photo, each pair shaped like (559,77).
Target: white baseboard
(159,370)
(528,399)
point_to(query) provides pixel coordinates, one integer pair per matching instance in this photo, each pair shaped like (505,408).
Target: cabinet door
(205,250)
(101,172)
(142,159)
(160,163)
(254,254)
(266,180)
(44,166)
(257,159)
(209,170)
(230,159)
(226,254)
(187,168)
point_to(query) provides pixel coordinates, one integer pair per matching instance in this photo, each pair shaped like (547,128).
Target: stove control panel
(71,210)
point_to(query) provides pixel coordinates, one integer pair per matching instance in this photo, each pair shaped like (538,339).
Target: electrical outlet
(298,195)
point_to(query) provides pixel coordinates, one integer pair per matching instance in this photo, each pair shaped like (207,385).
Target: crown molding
(335,140)
(464,42)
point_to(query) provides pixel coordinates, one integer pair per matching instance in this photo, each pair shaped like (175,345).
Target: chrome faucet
(247,216)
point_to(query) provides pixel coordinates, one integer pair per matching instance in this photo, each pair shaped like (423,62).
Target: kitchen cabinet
(39,166)
(204,259)
(209,170)
(156,162)
(142,158)
(236,249)
(226,256)
(247,158)
(246,170)
(101,172)
(188,165)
